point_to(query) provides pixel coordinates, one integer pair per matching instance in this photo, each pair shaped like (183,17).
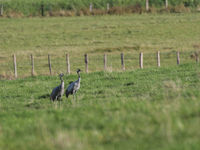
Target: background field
(20,8)
(97,35)
(148,109)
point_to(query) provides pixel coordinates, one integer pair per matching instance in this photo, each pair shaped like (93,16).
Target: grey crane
(58,91)
(74,86)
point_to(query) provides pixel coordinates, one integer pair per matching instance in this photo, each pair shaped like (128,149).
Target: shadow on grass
(44,96)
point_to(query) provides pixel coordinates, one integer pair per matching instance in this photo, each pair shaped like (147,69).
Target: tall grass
(77,7)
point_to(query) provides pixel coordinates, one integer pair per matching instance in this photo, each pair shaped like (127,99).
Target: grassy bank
(143,109)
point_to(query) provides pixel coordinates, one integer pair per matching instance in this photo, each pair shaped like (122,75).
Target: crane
(58,91)
(74,86)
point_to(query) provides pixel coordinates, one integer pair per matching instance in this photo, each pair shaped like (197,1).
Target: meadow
(143,109)
(149,109)
(96,35)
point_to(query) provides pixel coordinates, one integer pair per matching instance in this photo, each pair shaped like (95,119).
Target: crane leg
(73,96)
(59,103)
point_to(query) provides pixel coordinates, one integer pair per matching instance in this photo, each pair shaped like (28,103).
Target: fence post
(49,62)
(50,10)
(158,58)
(166,4)
(147,5)
(86,63)
(1,10)
(42,9)
(141,60)
(32,64)
(108,6)
(105,62)
(122,61)
(68,63)
(197,57)
(178,58)
(90,7)
(15,65)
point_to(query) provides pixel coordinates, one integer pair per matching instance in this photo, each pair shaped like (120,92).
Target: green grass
(32,7)
(154,108)
(87,34)
(149,109)
(96,35)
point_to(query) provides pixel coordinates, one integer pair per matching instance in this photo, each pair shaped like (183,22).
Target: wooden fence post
(90,7)
(158,58)
(105,62)
(122,61)
(178,58)
(50,10)
(147,5)
(32,64)
(42,9)
(49,62)
(108,6)
(1,10)
(86,63)
(141,60)
(15,65)
(68,63)
(166,4)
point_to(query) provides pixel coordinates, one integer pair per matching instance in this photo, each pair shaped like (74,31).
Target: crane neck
(61,79)
(62,82)
(79,77)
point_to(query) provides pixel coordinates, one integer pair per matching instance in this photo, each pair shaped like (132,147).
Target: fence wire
(95,63)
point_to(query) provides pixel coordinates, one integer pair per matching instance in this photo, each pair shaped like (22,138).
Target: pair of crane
(73,87)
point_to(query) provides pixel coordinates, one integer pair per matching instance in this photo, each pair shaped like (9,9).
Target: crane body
(74,86)
(58,91)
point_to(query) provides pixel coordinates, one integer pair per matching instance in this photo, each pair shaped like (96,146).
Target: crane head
(61,75)
(78,70)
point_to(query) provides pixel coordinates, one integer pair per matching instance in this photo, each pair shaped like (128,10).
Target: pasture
(147,109)
(96,35)
(143,109)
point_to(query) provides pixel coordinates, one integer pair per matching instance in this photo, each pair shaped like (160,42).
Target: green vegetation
(96,35)
(149,109)
(78,7)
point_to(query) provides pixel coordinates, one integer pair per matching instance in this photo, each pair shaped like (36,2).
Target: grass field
(143,109)
(87,34)
(19,8)
(96,35)
(149,109)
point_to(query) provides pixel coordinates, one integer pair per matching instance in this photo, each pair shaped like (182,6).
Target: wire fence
(55,64)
